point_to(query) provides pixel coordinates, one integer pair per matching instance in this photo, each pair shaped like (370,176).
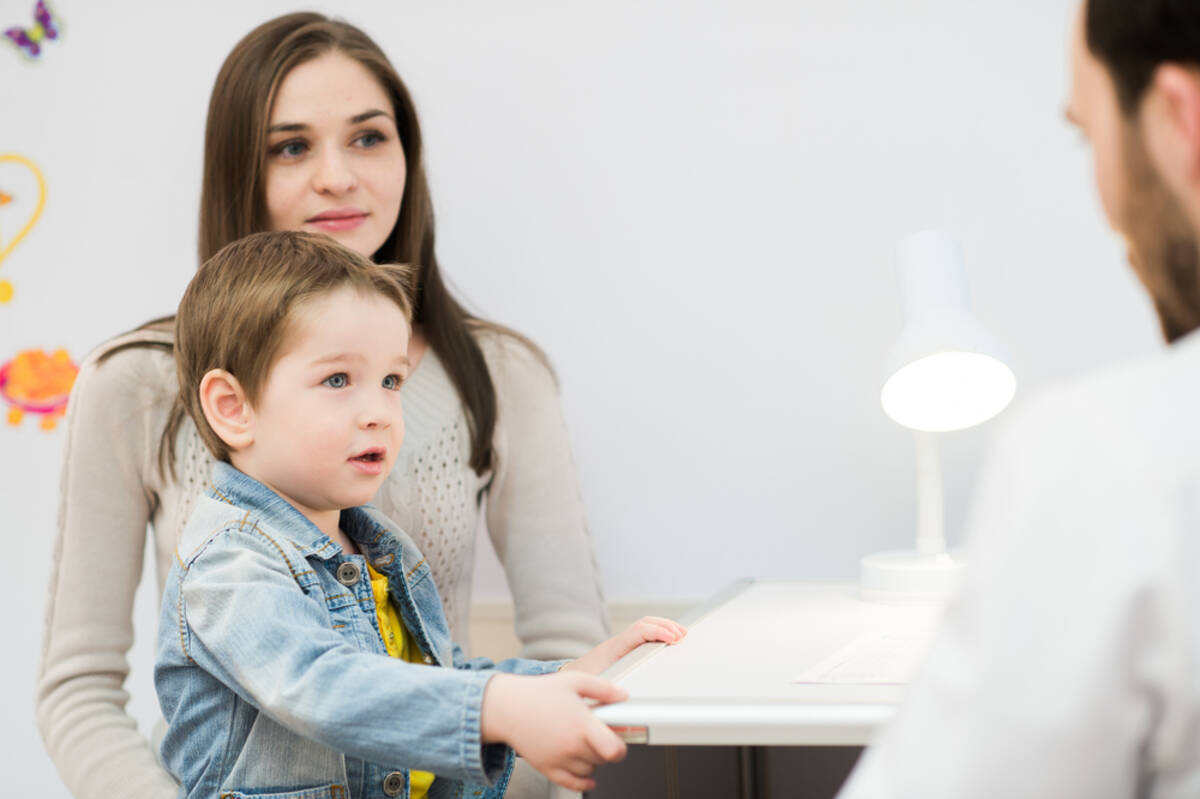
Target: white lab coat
(1069,666)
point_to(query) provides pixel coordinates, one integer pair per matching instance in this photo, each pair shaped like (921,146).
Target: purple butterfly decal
(29,40)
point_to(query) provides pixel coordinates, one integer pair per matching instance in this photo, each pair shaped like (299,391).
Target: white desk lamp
(945,373)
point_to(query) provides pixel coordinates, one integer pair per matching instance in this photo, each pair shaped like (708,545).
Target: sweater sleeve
(535,514)
(113,424)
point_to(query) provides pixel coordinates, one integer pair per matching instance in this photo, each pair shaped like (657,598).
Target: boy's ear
(226,409)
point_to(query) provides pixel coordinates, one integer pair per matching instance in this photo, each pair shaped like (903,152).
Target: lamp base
(910,576)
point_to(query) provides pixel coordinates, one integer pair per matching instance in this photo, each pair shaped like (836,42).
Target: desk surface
(732,681)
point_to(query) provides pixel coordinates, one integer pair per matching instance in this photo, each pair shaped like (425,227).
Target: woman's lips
(338,220)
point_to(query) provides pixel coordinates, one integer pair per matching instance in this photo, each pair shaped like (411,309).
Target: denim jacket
(272,675)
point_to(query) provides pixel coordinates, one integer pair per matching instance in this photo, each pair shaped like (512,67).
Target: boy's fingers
(569,781)
(670,624)
(607,745)
(664,633)
(582,767)
(656,628)
(592,687)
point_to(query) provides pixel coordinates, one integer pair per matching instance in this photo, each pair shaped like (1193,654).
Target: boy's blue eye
(339,380)
(392,382)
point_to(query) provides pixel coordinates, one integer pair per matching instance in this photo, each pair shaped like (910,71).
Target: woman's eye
(370,139)
(392,382)
(339,380)
(290,149)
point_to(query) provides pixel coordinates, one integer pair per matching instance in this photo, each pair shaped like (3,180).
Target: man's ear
(1170,119)
(226,409)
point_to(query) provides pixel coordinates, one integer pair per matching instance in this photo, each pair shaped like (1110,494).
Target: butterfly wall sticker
(29,40)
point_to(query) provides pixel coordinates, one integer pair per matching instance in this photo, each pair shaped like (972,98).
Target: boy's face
(327,424)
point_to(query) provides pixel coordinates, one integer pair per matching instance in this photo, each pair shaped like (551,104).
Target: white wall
(691,206)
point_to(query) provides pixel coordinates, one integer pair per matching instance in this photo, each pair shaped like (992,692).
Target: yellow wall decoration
(7,246)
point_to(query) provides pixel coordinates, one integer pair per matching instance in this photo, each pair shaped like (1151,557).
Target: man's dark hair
(1132,37)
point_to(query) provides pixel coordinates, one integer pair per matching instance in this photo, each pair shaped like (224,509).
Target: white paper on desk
(872,658)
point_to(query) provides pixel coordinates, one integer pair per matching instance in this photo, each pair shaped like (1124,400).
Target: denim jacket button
(393,784)
(348,573)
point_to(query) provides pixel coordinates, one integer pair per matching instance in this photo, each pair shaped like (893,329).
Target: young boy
(302,649)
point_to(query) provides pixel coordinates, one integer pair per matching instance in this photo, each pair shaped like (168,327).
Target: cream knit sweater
(112,491)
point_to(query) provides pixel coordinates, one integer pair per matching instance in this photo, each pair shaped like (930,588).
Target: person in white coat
(1069,665)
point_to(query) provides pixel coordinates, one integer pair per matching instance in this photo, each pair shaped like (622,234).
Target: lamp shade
(946,371)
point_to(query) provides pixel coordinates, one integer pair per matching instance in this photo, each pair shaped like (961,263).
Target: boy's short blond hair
(236,312)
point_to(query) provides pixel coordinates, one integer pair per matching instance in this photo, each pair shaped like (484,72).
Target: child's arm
(239,614)
(645,630)
(648,629)
(548,719)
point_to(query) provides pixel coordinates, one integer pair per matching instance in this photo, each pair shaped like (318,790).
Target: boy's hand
(644,630)
(548,720)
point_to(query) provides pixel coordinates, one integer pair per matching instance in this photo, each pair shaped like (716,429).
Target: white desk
(731,682)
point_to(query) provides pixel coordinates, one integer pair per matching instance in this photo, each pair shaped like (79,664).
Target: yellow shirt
(399,644)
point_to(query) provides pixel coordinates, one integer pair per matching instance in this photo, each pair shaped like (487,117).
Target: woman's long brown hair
(233,200)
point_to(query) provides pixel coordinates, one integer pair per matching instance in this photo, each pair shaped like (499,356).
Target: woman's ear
(225,407)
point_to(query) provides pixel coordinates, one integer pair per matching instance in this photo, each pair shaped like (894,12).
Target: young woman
(309,128)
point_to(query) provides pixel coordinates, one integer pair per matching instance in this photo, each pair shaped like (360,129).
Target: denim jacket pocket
(340,601)
(331,791)
(346,616)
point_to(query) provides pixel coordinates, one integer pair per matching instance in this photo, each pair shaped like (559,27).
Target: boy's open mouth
(370,456)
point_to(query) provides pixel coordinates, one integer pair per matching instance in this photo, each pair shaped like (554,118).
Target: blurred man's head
(1136,96)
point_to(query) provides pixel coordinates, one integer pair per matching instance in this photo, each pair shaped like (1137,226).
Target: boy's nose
(375,420)
(379,411)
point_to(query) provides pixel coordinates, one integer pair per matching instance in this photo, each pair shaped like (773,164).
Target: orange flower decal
(38,383)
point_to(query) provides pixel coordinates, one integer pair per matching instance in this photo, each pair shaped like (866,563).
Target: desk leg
(748,781)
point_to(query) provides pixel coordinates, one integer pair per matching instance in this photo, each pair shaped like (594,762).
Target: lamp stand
(929,573)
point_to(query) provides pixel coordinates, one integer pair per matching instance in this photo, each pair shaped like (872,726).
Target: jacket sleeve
(509,666)
(248,623)
(535,513)
(111,432)
(1040,683)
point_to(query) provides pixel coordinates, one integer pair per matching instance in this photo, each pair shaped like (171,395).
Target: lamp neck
(931,530)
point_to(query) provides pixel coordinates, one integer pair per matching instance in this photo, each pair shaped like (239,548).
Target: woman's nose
(334,174)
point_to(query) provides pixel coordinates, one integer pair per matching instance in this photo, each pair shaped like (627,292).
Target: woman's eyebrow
(291,127)
(365,115)
(287,126)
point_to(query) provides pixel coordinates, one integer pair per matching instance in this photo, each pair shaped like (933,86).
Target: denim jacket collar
(240,490)
(365,525)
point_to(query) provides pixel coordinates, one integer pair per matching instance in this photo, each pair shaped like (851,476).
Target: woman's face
(335,163)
